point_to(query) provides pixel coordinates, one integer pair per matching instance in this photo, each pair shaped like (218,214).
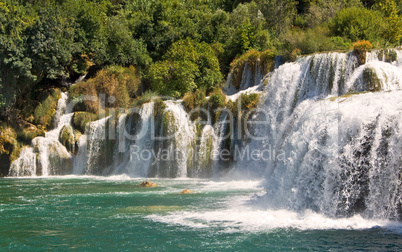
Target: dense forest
(132,49)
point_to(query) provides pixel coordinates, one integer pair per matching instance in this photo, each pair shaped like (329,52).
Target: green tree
(185,59)
(393,29)
(359,24)
(279,14)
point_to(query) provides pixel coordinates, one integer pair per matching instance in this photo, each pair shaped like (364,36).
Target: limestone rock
(147,184)
(186,191)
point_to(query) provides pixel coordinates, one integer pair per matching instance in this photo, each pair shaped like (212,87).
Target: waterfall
(329,145)
(47,156)
(96,153)
(326,137)
(138,156)
(174,142)
(25,165)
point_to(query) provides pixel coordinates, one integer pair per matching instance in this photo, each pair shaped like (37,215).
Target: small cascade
(99,148)
(51,157)
(25,165)
(174,145)
(203,154)
(141,146)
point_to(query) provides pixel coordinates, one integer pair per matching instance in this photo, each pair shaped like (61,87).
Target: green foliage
(393,31)
(359,24)
(146,97)
(194,100)
(321,11)
(216,101)
(172,78)
(117,84)
(191,43)
(44,112)
(121,49)
(279,14)
(8,139)
(313,40)
(186,66)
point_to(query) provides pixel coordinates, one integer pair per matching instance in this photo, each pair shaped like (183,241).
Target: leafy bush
(193,101)
(187,66)
(217,99)
(44,112)
(144,98)
(173,78)
(360,48)
(294,54)
(359,24)
(313,40)
(118,84)
(8,139)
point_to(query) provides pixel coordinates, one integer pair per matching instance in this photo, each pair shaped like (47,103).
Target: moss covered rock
(27,131)
(147,184)
(67,138)
(388,55)
(81,119)
(44,112)
(371,80)
(263,62)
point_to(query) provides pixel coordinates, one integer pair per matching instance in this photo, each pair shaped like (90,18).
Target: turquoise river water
(114,213)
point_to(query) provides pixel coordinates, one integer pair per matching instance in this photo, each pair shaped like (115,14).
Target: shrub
(146,97)
(29,132)
(185,67)
(295,52)
(359,24)
(217,99)
(118,84)
(173,78)
(194,100)
(8,139)
(44,112)
(313,40)
(249,101)
(360,48)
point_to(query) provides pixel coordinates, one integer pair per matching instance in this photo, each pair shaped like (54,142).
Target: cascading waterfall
(328,138)
(174,146)
(329,146)
(47,156)
(128,152)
